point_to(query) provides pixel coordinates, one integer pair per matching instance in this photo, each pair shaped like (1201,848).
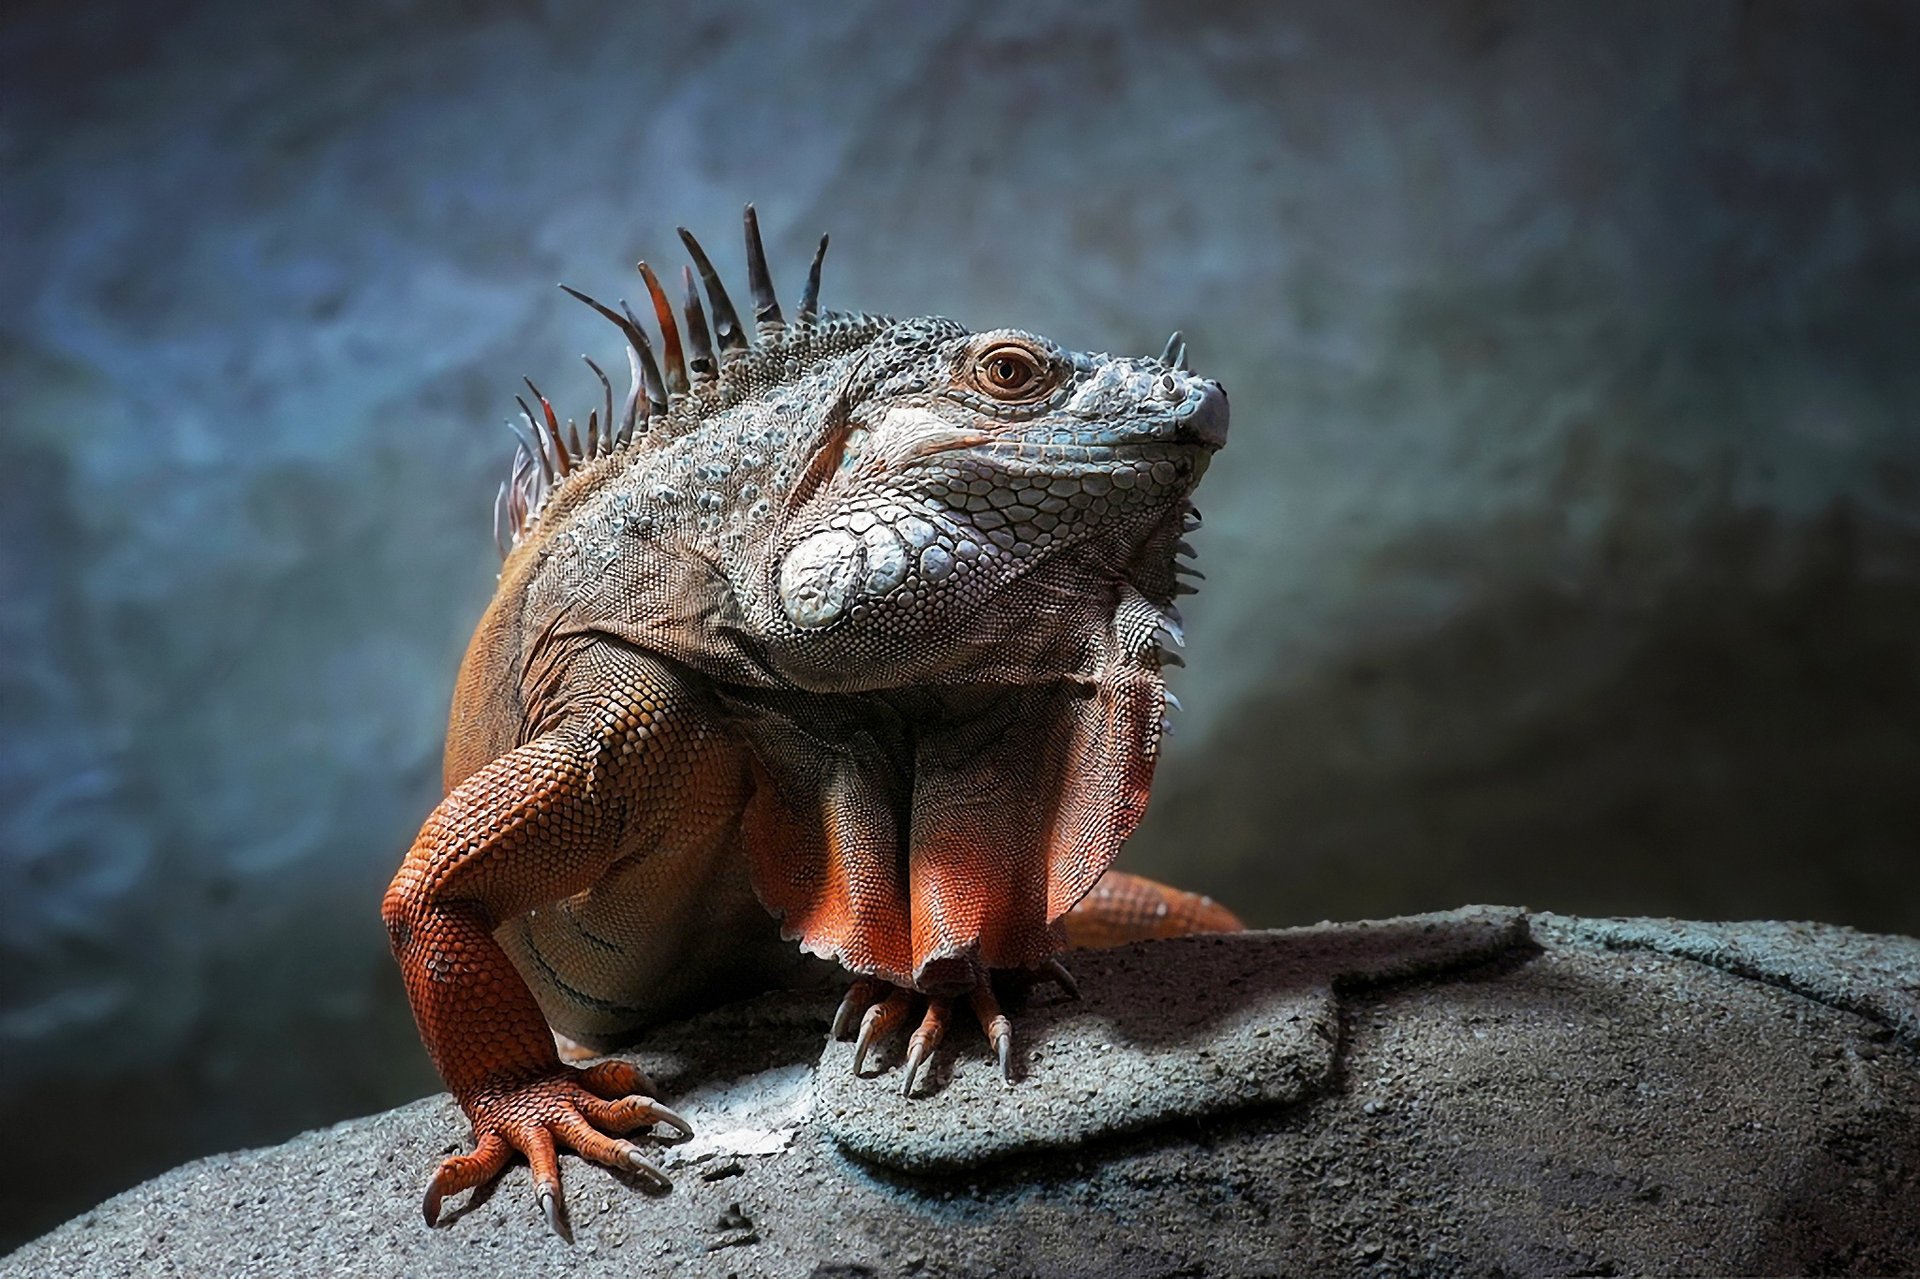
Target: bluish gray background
(1567,551)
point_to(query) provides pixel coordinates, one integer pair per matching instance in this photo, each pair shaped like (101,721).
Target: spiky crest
(745,365)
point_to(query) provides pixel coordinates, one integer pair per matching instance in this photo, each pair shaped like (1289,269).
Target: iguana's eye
(1010,372)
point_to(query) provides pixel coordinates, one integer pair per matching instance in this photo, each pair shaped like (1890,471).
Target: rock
(1476,1092)
(1252,1020)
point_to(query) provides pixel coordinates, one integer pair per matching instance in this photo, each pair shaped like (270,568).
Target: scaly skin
(850,636)
(1123,908)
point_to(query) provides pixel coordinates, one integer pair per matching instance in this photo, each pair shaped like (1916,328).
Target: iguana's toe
(614,1079)
(881,1021)
(860,994)
(627,1113)
(926,1038)
(536,1143)
(463,1172)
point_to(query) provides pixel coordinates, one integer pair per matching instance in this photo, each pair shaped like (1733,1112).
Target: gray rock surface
(1253,1019)
(1474,1093)
(1874,976)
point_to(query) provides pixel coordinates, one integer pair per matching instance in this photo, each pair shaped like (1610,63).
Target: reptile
(843,631)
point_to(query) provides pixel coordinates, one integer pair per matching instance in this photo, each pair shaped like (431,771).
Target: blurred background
(1566,552)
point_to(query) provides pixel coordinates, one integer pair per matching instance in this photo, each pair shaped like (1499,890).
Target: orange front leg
(533,826)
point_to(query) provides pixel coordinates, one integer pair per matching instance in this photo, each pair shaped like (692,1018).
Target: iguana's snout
(1122,402)
(1196,412)
(1203,402)
(1205,413)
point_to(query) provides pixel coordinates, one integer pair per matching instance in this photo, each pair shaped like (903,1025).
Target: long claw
(859,995)
(1058,971)
(664,1115)
(640,1163)
(998,1028)
(865,1041)
(917,1053)
(880,1021)
(554,1209)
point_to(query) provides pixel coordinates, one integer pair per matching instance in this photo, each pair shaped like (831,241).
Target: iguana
(845,622)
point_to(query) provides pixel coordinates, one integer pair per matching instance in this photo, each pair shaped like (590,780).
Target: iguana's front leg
(538,824)
(1000,876)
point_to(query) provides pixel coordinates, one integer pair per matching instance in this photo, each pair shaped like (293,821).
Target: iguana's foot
(887,1007)
(572,1106)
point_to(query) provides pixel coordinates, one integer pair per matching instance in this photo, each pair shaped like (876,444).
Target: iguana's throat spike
(672,363)
(726,321)
(766,306)
(810,296)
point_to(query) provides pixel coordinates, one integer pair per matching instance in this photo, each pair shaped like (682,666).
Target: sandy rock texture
(1478,1092)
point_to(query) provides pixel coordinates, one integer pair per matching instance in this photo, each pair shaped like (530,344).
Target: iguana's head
(966,468)
(884,503)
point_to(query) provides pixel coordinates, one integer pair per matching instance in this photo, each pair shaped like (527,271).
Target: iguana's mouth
(1103,452)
